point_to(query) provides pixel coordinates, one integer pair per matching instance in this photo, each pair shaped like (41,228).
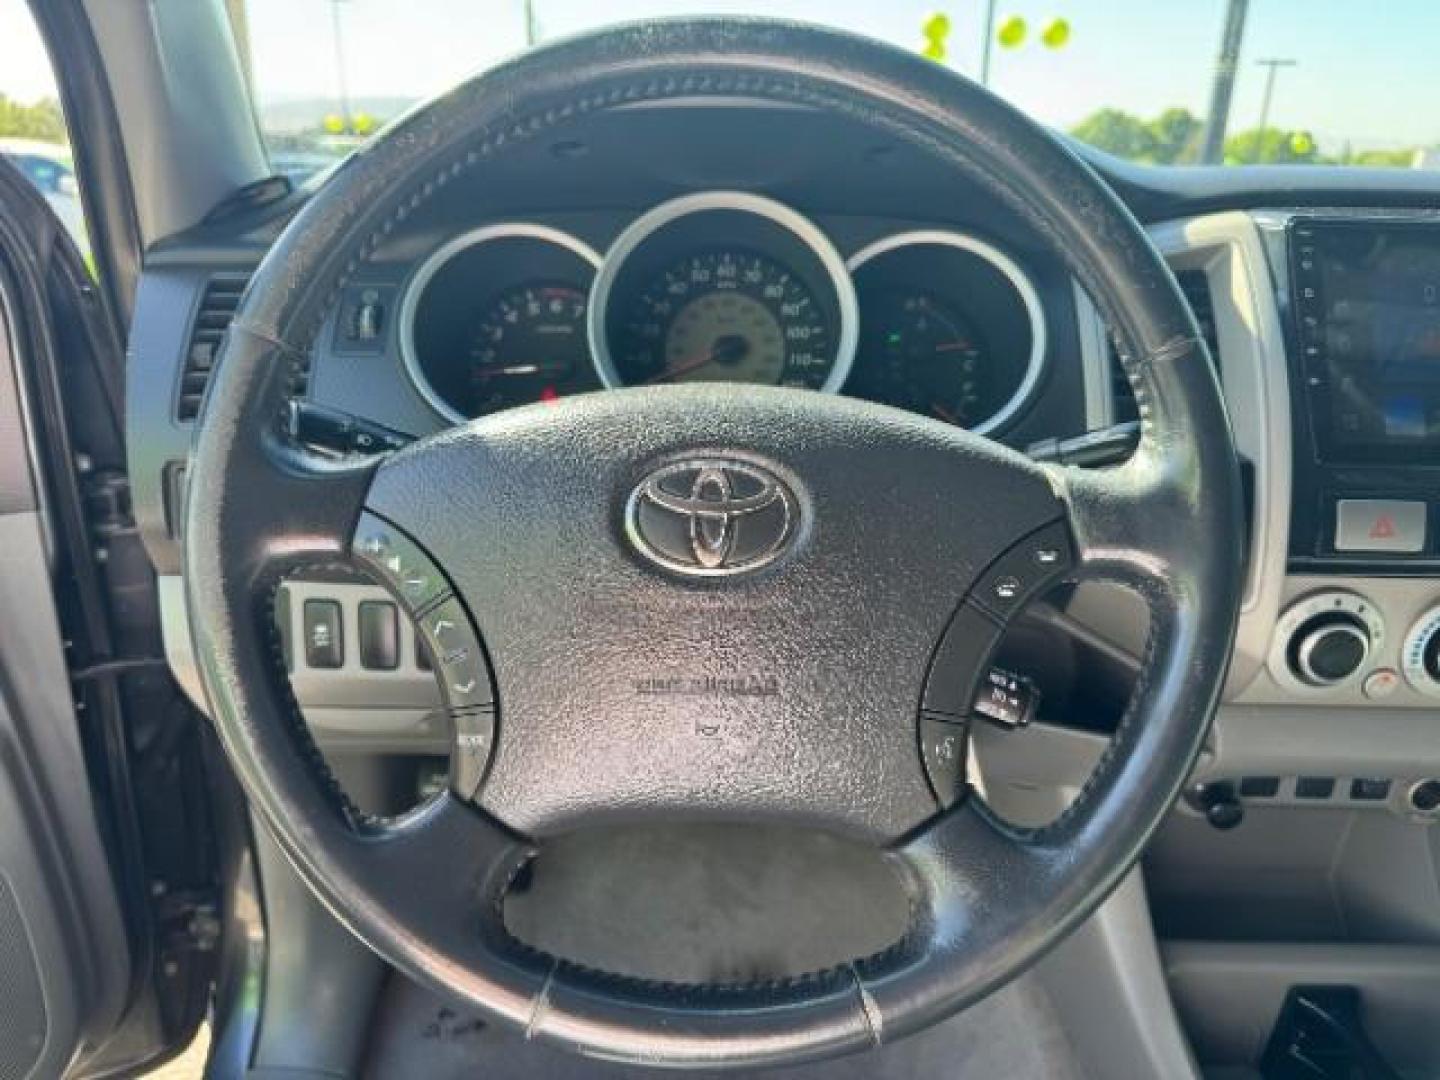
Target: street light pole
(340,62)
(1274,65)
(1213,148)
(988,42)
(532,26)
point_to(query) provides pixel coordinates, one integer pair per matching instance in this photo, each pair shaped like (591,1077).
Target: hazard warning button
(1392,525)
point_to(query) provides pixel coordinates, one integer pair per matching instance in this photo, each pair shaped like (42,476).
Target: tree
(1270,146)
(41,121)
(1176,132)
(1170,137)
(1395,159)
(1117,132)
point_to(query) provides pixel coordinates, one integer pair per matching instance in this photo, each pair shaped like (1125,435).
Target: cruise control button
(473,742)
(398,561)
(942,750)
(959,662)
(1015,578)
(1007,699)
(324,638)
(458,659)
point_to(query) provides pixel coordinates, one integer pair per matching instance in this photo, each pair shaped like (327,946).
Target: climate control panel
(1420,654)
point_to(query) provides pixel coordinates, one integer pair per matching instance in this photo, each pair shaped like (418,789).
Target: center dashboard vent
(212,318)
(1195,285)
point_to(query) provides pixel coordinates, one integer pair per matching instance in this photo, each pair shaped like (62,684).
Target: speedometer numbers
(725,316)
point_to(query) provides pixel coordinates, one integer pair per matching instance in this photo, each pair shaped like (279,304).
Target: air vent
(217,308)
(1195,284)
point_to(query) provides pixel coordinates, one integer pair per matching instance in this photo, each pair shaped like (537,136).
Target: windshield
(1310,82)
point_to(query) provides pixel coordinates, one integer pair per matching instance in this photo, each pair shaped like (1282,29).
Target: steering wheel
(713,602)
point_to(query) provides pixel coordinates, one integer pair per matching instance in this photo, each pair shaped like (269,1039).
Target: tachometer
(530,346)
(496,317)
(725,316)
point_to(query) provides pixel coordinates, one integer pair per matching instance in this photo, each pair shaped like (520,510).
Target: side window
(33,136)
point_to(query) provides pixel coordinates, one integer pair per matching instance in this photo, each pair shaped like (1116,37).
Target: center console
(1363,331)
(1365,362)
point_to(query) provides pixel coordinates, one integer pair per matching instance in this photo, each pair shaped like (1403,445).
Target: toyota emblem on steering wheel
(710,517)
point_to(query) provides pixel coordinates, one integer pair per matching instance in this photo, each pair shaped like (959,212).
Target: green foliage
(41,121)
(1173,138)
(1390,159)
(1177,136)
(1169,138)
(1270,146)
(1116,132)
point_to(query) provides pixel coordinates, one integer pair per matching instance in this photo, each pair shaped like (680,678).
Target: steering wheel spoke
(967,873)
(1128,522)
(445,862)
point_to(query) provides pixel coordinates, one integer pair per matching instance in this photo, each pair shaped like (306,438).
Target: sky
(1366,70)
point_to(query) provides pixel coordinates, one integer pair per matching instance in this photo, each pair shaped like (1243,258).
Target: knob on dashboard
(1325,640)
(1329,648)
(1420,655)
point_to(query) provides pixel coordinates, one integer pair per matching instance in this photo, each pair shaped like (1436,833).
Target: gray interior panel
(64,961)
(50,852)
(320,982)
(1228,995)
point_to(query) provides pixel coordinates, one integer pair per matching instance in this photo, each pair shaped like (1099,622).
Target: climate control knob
(1420,655)
(1329,648)
(1325,640)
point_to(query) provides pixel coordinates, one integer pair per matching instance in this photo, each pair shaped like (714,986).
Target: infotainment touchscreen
(1367,297)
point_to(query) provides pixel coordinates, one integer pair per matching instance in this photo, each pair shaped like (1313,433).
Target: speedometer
(723,287)
(725,316)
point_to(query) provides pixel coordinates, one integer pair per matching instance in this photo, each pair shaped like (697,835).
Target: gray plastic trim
(1106,979)
(1255,376)
(320,983)
(1095,362)
(1019,281)
(349,707)
(186,151)
(22,484)
(49,846)
(1230,993)
(1392,606)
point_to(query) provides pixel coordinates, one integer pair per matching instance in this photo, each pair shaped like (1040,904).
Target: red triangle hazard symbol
(1383,529)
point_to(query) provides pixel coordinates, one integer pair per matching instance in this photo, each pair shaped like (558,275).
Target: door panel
(65,956)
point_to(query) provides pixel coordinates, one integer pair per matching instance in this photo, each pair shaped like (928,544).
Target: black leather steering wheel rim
(988,899)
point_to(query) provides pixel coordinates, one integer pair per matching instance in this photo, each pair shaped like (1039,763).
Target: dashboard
(844,265)
(722,286)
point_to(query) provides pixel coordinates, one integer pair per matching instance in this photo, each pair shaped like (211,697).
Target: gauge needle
(944,413)
(952,346)
(730,349)
(541,368)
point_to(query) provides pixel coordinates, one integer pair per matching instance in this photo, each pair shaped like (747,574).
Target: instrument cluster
(724,287)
